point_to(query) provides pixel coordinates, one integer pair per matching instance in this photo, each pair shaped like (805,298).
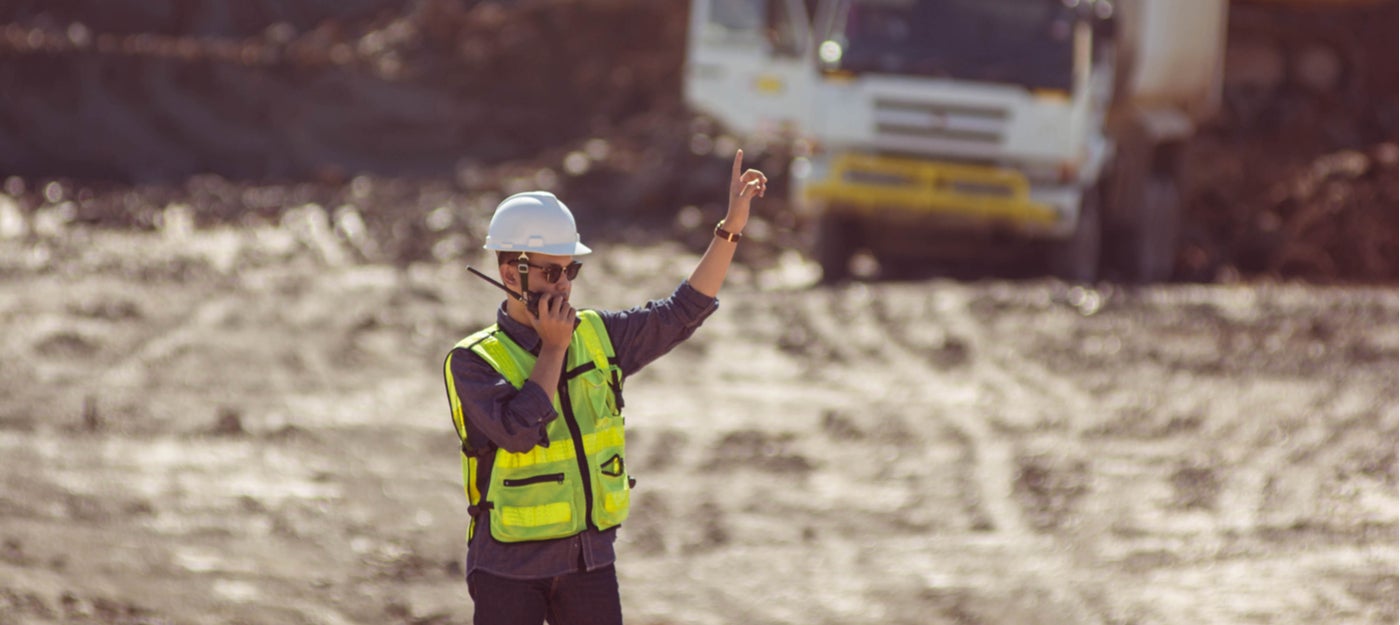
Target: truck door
(749,64)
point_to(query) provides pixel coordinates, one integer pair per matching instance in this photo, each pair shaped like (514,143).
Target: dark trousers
(573,599)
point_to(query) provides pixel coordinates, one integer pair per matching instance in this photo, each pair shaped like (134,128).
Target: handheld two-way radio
(531,300)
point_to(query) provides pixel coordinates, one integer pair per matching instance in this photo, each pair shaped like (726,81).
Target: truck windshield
(1022,42)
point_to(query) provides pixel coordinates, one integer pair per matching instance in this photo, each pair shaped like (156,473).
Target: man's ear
(509,276)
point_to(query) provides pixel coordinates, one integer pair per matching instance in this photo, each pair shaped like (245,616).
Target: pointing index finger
(738,164)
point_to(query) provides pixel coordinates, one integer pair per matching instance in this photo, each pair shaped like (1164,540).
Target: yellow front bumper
(868,183)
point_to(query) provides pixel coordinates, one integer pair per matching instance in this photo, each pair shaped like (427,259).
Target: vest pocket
(615,502)
(615,492)
(603,395)
(533,507)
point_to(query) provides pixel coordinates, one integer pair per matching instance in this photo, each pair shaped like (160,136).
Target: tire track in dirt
(250,301)
(130,371)
(849,322)
(1243,496)
(996,369)
(867,345)
(1001,368)
(1279,479)
(890,361)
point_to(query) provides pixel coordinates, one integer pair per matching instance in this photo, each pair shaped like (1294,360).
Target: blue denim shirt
(516,420)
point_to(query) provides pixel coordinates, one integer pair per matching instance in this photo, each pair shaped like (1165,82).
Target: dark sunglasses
(552,272)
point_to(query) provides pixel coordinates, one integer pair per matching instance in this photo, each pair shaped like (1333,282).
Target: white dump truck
(950,127)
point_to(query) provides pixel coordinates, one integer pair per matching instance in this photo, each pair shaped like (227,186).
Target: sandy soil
(233,427)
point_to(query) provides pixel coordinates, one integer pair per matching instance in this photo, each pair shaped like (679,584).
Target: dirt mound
(1329,219)
(1296,178)
(282,90)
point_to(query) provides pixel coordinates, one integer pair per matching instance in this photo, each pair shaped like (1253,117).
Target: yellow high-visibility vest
(580,478)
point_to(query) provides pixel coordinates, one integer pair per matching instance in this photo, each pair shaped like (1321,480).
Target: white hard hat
(534,221)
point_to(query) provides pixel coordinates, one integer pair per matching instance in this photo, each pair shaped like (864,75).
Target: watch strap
(720,232)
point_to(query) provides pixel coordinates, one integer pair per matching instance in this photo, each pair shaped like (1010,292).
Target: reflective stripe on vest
(547,492)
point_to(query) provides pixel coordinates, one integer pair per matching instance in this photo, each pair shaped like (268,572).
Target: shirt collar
(523,335)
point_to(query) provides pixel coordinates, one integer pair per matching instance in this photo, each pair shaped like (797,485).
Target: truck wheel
(1153,238)
(1076,259)
(834,245)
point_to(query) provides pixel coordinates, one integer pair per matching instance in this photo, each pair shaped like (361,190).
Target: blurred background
(232,248)
(116,110)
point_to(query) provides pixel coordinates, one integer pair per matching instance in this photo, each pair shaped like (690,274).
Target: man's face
(542,266)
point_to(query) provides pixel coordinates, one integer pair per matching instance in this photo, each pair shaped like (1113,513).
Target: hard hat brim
(576,248)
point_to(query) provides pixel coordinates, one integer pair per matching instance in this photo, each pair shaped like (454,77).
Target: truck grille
(930,120)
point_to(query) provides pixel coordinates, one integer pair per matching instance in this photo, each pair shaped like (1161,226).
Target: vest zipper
(534,479)
(577,435)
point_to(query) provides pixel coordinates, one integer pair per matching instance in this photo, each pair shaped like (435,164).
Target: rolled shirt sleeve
(515,420)
(644,333)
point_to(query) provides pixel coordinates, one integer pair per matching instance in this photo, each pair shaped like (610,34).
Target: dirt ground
(238,426)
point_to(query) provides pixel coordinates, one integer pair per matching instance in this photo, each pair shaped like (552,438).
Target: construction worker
(537,402)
